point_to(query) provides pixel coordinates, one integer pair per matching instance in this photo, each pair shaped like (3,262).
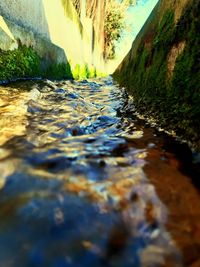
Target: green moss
(76,72)
(58,71)
(165,32)
(174,101)
(148,73)
(19,63)
(81,72)
(185,83)
(91,72)
(25,63)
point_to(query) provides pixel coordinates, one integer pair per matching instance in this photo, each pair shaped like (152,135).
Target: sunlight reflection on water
(73,189)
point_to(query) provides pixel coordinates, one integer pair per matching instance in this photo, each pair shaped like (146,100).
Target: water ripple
(75,193)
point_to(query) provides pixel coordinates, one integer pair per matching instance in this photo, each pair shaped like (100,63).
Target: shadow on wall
(25,42)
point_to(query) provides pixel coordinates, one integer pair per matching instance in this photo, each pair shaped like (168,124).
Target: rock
(35,94)
(151,145)
(46,89)
(50,84)
(60,91)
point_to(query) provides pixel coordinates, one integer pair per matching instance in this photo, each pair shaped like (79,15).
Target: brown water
(84,182)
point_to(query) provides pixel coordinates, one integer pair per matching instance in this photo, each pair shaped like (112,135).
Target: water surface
(84,182)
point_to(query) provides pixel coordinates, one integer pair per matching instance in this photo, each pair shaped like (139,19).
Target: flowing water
(85,183)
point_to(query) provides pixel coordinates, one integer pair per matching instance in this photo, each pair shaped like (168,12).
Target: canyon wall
(162,70)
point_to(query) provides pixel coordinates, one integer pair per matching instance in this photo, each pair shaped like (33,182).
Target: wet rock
(151,145)
(72,95)
(55,164)
(46,89)
(50,84)
(84,81)
(60,91)
(76,130)
(34,107)
(35,94)
(46,86)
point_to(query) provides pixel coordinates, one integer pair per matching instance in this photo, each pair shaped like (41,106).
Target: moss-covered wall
(25,54)
(24,62)
(20,62)
(162,71)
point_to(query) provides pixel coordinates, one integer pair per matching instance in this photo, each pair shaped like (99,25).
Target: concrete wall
(28,14)
(53,29)
(162,69)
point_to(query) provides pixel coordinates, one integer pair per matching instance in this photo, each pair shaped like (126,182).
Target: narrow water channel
(85,183)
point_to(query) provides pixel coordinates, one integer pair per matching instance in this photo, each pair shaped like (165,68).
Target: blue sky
(135,19)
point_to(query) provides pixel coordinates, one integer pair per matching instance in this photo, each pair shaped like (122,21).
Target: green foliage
(81,72)
(131,2)
(19,63)
(76,72)
(91,72)
(84,72)
(114,24)
(25,63)
(58,71)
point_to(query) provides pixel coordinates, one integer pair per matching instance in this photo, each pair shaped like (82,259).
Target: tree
(114,25)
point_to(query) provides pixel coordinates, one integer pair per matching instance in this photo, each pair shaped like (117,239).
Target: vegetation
(114,25)
(58,71)
(25,63)
(21,62)
(80,72)
(174,100)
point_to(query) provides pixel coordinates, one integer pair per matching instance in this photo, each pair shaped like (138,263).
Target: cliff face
(66,43)
(162,70)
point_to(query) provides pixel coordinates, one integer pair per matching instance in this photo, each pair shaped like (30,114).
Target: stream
(85,183)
